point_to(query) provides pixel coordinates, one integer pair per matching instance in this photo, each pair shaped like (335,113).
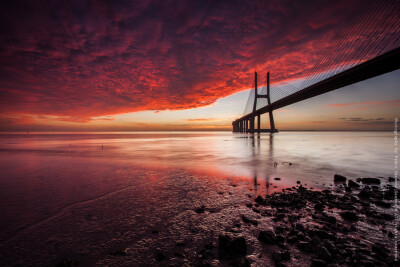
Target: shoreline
(351,225)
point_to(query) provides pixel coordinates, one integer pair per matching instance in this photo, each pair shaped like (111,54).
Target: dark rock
(200,210)
(118,253)
(302,189)
(380,249)
(323,234)
(68,263)
(391,179)
(179,254)
(349,215)
(318,263)
(180,243)
(304,246)
(268,237)
(300,227)
(231,245)
(249,205)
(281,256)
(298,182)
(154,232)
(351,183)
(210,245)
(370,180)
(277,178)
(365,194)
(323,253)
(339,178)
(347,189)
(247,220)
(319,207)
(160,255)
(382,204)
(256,210)
(259,199)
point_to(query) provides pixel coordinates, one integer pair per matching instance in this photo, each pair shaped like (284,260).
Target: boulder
(370,180)
(349,215)
(259,200)
(231,245)
(339,178)
(268,237)
(353,184)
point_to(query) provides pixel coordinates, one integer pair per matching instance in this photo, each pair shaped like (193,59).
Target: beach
(172,199)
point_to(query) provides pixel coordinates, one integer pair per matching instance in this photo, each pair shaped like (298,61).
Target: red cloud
(79,61)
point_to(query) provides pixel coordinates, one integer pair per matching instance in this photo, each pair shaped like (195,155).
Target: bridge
(376,51)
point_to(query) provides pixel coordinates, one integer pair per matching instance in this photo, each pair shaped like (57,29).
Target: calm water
(84,195)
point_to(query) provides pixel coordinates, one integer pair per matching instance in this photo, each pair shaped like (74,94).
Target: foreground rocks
(323,225)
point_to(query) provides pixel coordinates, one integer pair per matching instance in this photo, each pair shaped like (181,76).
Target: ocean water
(85,195)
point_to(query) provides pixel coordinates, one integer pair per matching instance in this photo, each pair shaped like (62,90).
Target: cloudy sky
(176,65)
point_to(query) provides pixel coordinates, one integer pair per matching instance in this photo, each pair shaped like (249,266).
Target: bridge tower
(255,114)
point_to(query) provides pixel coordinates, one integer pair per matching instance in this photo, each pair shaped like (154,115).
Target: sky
(184,65)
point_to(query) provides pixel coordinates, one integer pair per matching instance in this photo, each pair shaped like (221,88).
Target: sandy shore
(351,225)
(181,219)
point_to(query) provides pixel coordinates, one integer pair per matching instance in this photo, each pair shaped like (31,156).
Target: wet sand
(203,221)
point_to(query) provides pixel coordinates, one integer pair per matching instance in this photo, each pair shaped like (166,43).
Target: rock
(281,256)
(351,183)
(339,178)
(249,205)
(380,249)
(319,207)
(349,215)
(365,194)
(298,182)
(382,204)
(179,254)
(180,243)
(160,255)
(323,253)
(277,178)
(231,245)
(268,237)
(247,220)
(200,210)
(391,179)
(318,263)
(370,180)
(304,246)
(259,199)
(322,234)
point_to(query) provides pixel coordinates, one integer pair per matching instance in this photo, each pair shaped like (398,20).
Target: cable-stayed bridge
(366,45)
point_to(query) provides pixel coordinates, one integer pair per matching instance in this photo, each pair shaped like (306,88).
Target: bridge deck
(377,66)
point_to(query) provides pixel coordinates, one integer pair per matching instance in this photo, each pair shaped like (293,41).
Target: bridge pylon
(247,124)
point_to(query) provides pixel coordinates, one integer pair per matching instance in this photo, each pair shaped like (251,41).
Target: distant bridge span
(379,65)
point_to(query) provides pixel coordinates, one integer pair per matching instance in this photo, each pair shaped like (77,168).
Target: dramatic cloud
(84,59)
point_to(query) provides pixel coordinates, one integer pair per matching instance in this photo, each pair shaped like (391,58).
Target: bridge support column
(258,122)
(252,124)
